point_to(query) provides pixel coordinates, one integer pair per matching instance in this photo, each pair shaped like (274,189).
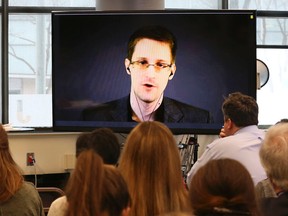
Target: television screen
(100,79)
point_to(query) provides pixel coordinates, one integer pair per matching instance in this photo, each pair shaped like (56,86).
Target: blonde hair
(274,154)
(151,165)
(11,178)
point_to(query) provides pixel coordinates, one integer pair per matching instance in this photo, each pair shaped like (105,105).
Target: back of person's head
(151,165)
(82,143)
(153,32)
(282,120)
(11,177)
(274,154)
(241,109)
(103,141)
(95,188)
(116,197)
(223,187)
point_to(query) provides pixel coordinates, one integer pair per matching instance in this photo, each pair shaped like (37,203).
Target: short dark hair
(284,120)
(82,143)
(154,32)
(103,141)
(241,109)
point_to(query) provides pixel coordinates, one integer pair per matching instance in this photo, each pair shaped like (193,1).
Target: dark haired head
(103,141)
(284,120)
(82,143)
(158,33)
(241,109)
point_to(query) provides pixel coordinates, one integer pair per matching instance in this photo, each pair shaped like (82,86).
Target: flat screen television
(216,55)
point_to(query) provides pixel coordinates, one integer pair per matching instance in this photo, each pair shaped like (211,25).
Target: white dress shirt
(242,146)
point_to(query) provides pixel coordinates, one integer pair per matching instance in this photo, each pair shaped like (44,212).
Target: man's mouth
(148,85)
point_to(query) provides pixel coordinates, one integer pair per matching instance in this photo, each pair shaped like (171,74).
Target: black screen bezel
(125,127)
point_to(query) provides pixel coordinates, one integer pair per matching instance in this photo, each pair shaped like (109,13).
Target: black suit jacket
(170,110)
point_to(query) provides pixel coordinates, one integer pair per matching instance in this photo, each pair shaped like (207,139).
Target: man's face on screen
(150,69)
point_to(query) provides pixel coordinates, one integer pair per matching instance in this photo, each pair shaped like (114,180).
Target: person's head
(96,189)
(82,143)
(274,155)
(222,185)
(150,61)
(11,177)
(103,141)
(240,110)
(151,165)
(153,32)
(282,120)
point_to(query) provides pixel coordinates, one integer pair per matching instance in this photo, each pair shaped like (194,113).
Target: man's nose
(151,70)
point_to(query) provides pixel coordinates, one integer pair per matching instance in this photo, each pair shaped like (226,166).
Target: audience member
(274,157)
(93,189)
(241,137)
(17,197)
(151,165)
(284,120)
(264,188)
(103,141)
(223,187)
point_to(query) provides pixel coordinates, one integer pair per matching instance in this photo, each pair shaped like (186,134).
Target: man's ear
(127,64)
(229,123)
(172,72)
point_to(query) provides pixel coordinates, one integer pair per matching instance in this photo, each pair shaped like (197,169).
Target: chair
(48,195)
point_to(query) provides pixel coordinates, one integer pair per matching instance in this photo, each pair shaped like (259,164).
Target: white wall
(50,149)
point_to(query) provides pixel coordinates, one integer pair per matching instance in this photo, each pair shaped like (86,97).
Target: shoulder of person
(220,142)
(28,189)
(58,207)
(29,186)
(181,105)
(60,202)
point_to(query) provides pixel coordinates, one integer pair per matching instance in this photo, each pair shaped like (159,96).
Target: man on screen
(151,64)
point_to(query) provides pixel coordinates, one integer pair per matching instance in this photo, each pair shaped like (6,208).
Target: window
(30,70)
(272,26)
(30,84)
(271,98)
(272,5)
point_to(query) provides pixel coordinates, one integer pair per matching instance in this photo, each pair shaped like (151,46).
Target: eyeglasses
(143,65)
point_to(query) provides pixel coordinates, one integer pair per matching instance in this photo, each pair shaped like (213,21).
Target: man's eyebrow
(157,60)
(162,60)
(141,58)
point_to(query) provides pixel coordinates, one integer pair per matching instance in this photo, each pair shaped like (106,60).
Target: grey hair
(274,154)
